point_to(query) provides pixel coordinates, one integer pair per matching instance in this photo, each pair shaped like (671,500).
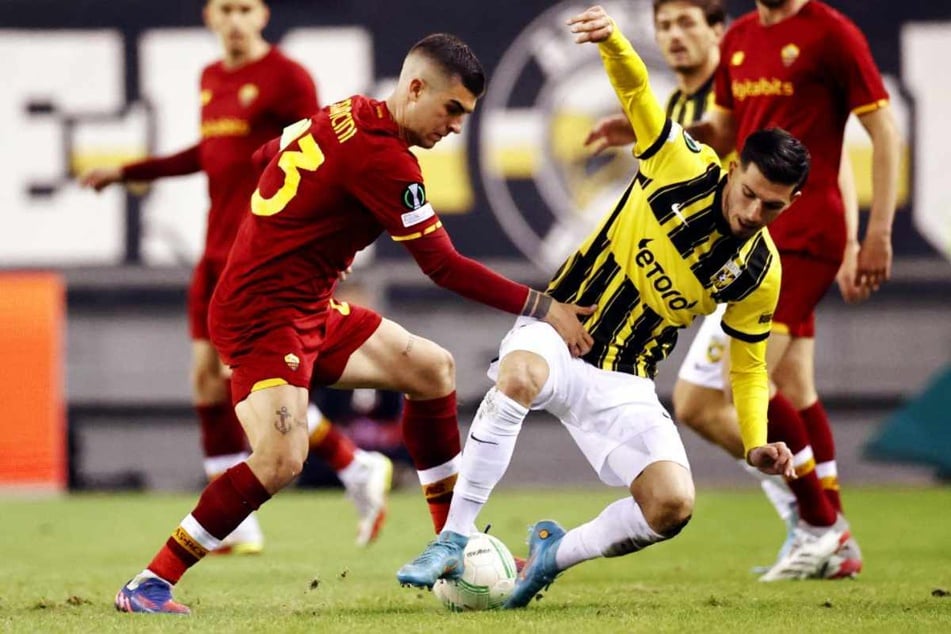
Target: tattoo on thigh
(285,421)
(409,346)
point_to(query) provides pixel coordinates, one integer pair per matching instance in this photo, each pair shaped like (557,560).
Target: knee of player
(280,467)
(441,371)
(670,513)
(522,376)
(687,410)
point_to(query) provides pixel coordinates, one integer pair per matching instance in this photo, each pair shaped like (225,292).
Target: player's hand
(773,458)
(875,260)
(564,318)
(851,289)
(594,25)
(611,131)
(101,177)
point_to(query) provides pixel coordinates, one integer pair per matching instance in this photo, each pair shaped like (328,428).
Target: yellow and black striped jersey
(665,254)
(687,109)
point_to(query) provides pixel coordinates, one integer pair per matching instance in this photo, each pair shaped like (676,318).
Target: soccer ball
(488,576)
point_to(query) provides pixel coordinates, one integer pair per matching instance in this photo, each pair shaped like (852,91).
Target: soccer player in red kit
(802,66)
(333,183)
(247,98)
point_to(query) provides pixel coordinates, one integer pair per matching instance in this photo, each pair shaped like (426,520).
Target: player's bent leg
(796,378)
(655,465)
(393,358)
(275,419)
(223,439)
(276,422)
(489,449)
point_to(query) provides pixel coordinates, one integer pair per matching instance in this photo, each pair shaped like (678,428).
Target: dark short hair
(713,10)
(781,157)
(455,57)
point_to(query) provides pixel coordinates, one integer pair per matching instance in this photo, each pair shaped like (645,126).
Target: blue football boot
(442,559)
(541,569)
(150,595)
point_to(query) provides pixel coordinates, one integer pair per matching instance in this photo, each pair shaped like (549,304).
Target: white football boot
(368,480)
(812,548)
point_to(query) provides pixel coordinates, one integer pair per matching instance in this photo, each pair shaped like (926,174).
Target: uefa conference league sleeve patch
(414,199)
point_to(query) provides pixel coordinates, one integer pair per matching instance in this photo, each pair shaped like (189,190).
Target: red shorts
(288,355)
(204,278)
(805,281)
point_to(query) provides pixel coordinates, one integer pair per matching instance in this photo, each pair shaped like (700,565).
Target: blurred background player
(802,65)
(247,98)
(333,183)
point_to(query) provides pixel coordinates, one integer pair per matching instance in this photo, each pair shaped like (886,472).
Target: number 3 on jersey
(309,158)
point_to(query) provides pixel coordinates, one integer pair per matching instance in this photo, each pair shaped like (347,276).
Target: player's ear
(718,31)
(416,87)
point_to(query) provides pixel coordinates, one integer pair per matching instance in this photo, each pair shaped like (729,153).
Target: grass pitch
(62,560)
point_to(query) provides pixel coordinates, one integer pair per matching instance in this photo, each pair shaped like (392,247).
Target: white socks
(355,472)
(485,458)
(776,490)
(620,529)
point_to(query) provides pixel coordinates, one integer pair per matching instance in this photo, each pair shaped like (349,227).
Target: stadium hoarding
(100,83)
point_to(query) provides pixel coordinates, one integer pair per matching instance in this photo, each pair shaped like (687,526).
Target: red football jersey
(241,110)
(332,185)
(804,74)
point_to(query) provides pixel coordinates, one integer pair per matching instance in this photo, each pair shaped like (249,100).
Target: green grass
(61,561)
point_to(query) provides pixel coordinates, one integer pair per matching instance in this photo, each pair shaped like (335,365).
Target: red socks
(431,435)
(223,505)
(786,425)
(334,448)
(823,446)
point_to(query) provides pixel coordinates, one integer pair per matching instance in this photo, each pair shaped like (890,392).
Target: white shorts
(603,410)
(703,364)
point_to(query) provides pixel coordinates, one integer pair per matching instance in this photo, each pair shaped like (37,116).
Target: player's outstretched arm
(184,162)
(99,178)
(439,260)
(627,72)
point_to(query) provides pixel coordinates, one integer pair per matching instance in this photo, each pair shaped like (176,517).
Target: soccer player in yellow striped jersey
(682,238)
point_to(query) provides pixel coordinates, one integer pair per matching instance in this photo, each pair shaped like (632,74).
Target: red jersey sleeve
(185,162)
(392,189)
(854,69)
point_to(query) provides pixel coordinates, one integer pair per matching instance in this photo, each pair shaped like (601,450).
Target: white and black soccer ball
(488,576)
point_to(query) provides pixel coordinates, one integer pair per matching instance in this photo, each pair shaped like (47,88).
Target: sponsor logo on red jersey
(762,87)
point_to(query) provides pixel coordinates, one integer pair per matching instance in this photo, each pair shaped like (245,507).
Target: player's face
(683,35)
(436,110)
(751,201)
(237,23)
